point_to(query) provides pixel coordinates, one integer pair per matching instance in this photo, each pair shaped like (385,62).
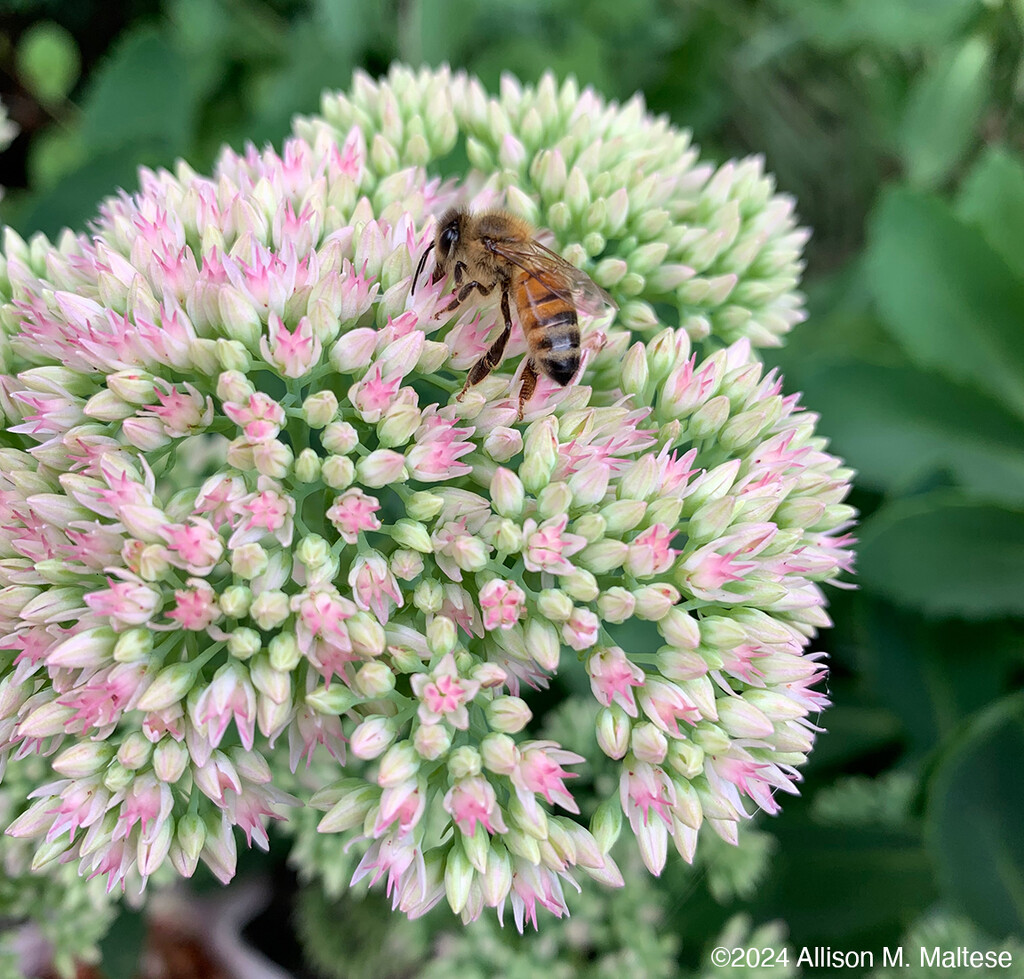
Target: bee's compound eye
(449,236)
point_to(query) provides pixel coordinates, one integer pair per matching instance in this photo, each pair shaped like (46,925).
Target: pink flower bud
(654,601)
(502,444)
(234,386)
(501,603)
(382,467)
(581,630)
(353,350)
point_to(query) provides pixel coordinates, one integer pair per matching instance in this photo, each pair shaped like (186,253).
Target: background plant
(897,127)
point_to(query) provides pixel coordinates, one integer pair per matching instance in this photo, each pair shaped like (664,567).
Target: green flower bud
(244,642)
(338,472)
(424,505)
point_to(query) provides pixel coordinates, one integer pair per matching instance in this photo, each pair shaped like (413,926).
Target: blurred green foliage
(897,125)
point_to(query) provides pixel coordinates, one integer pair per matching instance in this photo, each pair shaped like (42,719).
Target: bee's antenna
(419,268)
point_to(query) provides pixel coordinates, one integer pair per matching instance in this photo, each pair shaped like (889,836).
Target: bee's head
(446,240)
(449,232)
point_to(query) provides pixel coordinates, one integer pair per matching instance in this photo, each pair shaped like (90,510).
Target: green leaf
(844,24)
(949,299)
(141,92)
(895,425)
(973,817)
(945,557)
(992,199)
(122,946)
(73,201)
(48,61)
(932,675)
(848,887)
(943,112)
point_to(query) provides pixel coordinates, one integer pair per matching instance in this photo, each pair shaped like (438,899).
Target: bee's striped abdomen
(550,326)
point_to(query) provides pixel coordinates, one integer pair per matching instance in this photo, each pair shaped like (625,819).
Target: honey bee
(497,250)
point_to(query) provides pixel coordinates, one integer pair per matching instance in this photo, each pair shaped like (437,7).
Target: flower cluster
(242,507)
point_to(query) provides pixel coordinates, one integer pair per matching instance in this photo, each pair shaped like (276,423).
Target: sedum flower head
(246,522)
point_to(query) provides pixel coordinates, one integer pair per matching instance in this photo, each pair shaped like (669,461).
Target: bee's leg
(487,362)
(528,386)
(461,297)
(496,350)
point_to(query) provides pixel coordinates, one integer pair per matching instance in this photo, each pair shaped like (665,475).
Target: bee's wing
(564,280)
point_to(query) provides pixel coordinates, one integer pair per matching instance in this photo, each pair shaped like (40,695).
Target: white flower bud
(507,492)
(580,585)
(338,472)
(424,505)
(169,760)
(613,731)
(234,386)
(499,754)
(554,605)
(432,740)
(83,760)
(412,533)
(134,751)
(283,652)
(269,609)
(133,645)
(244,642)
(339,438)
(648,743)
(307,466)
(399,764)
(616,605)
(319,409)
(249,561)
(235,600)
(366,635)
(374,680)
(170,686)
(543,645)
(502,444)
(464,762)
(372,738)
(508,714)
(441,635)
(353,350)
(428,596)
